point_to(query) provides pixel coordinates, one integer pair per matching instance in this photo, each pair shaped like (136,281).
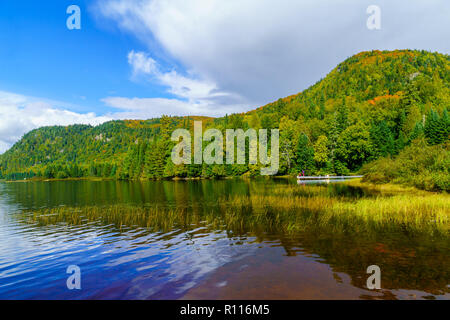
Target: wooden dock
(326,177)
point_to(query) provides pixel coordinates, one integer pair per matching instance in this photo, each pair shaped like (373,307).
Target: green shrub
(419,165)
(61,175)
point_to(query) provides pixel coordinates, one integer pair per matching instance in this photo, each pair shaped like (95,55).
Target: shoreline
(355,182)
(164,179)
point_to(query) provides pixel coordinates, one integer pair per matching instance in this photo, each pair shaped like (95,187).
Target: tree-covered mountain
(372,105)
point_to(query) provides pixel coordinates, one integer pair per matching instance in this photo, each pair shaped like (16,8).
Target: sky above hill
(138,59)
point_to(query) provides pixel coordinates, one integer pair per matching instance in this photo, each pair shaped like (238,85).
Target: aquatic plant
(285,208)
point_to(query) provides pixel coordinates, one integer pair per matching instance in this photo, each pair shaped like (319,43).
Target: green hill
(372,105)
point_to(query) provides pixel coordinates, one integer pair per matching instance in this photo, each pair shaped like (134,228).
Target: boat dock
(326,177)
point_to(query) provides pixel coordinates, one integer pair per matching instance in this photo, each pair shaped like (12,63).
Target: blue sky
(138,59)
(43,58)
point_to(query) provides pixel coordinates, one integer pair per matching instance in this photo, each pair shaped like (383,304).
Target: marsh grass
(387,188)
(154,218)
(295,213)
(287,208)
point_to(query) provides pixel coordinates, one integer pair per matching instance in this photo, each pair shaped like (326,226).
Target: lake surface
(200,260)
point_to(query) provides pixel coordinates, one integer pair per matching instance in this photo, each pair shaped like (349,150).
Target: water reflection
(199,259)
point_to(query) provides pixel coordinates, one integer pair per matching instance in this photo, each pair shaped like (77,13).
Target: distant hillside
(371,105)
(79,149)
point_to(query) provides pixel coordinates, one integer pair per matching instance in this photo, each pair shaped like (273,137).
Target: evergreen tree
(305,155)
(436,128)
(417,132)
(382,140)
(342,117)
(445,126)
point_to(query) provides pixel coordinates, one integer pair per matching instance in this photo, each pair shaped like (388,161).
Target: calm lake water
(200,261)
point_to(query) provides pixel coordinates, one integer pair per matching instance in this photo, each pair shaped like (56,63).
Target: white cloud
(141,63)
(194,96)
(145,108)
(179,85)
(260,50)
(20,114)
(189,88)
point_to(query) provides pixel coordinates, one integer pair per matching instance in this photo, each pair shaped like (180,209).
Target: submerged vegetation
(370,106)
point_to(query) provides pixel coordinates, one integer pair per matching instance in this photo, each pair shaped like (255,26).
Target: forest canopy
(371,106)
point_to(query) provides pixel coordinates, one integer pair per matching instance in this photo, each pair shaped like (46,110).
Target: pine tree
(444,127)
(382,140)
(155,162)
(417,132)
(436,128)
(304,155)
(342,116)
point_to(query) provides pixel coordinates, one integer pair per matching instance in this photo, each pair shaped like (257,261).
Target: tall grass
(118,215)
(286,209)
(416,213)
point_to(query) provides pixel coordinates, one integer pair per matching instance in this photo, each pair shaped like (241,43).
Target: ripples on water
(131,264)
(134,263)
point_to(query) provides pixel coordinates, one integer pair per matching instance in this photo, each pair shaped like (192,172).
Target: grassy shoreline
(246,177)
(389,187)
(115,179)
(286,208)
(356,182)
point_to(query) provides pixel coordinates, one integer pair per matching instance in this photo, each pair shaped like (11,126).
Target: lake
(197,252)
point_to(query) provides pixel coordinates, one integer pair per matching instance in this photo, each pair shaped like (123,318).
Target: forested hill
(80,150)
(372,105)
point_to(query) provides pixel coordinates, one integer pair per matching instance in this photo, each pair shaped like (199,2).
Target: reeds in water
(284,209)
